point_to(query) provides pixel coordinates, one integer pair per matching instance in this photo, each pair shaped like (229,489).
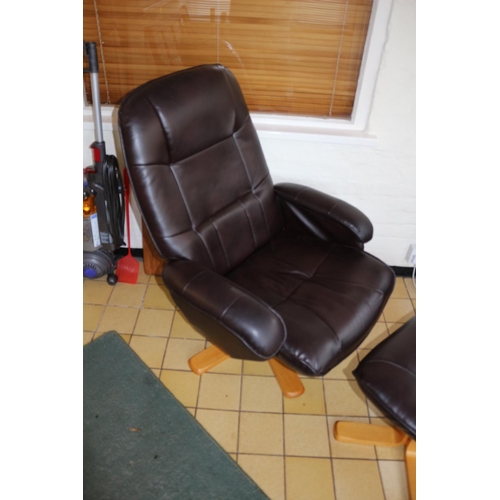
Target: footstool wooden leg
(411,467)
(371,434)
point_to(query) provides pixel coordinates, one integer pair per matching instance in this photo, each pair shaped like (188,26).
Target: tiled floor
(285,445)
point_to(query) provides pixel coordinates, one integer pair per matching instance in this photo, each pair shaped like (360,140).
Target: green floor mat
(140,443)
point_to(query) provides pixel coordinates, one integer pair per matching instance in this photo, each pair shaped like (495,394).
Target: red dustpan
(127,268)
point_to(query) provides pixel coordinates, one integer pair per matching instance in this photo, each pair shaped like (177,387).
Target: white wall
(377,177)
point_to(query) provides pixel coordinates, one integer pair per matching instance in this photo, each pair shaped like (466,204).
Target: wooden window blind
(298,57)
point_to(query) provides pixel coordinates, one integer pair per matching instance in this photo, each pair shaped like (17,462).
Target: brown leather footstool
(387,376)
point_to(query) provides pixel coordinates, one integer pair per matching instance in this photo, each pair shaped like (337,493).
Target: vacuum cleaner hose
(113,186)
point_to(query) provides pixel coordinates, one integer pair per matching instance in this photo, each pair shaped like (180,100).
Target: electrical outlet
(411,255)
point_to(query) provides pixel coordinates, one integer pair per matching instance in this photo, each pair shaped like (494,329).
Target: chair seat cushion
(328,295)
(387,375)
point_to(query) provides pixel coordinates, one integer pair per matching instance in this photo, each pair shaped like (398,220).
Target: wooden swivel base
(381,435)
(288,380)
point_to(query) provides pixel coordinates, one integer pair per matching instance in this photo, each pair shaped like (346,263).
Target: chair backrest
(197,168)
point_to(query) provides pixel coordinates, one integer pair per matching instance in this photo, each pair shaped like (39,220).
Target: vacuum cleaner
(103,193)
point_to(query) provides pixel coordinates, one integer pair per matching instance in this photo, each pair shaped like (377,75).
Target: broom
(127,268)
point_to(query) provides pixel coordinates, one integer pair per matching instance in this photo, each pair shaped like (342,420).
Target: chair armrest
(327,217)
(238,323)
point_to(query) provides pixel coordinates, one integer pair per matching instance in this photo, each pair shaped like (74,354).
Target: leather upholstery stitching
(318,283)
(160,123)
(232,95)
(237,334)
(383,361)
(191,219)
(297,195)
(253,187)
(304,281)
(220,241)
(249,223)
(229,307)
(319,317)
(201,273)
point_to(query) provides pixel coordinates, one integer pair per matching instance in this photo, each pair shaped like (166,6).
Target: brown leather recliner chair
(265,272)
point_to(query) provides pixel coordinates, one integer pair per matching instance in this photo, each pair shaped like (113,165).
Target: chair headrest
(197,108)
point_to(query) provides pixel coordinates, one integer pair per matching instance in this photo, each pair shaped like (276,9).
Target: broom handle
(126,185)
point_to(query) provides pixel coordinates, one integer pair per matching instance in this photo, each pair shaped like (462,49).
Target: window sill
(311,129)
(269,126)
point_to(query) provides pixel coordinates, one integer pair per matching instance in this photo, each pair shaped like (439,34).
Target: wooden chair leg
(153,263)
(411,467)
(288,380)
(207,359)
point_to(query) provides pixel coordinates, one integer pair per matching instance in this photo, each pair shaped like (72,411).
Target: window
(291,57)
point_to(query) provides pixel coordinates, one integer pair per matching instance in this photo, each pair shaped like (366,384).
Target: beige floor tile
(182,329)
(309,479)
(394,480)
(96,292)
(357,479)
(398,310)
(87,337)
(142,276)
(154,323)
(400,291)
(362,353)
(222,426)
(261,433)
(125,294)
(158,297)
(343,371)
(150,349)
(373,411)
(377,335)
(412,291)
(257,368)
(119,319)
(179,351)
(98,334)
(339,449)
(156,371)
(101,278)
(306,436)
(126,337)
(261,394)
(344,397)
(414,303)
(267,471)
(387,452)
(231,366)
(312,402)
(220,392)
(156,280)
(91,317)
(183,385)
